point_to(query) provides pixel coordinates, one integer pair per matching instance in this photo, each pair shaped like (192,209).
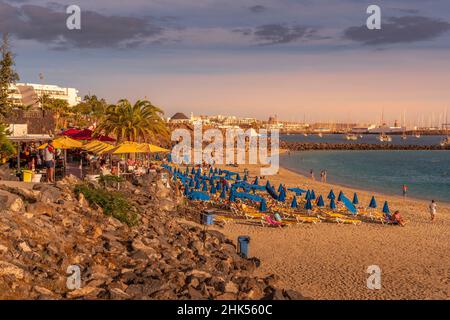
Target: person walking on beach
(312,174)
(321,176)
(405,190)
(325,176)
(433,208)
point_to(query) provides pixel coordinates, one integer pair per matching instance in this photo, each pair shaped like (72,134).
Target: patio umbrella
(151,148)
(308,195)
(256,182)
(308,205)
(268,184)
(294,203)
(238,177)
(332,204)
(331,195)
(386,208)
(340,196)
(205,187)
(197,184)
(127,147)
(245,178)
(213,189)
(313,195)
(282,195)
(373,203)
(70,132)
(355,199)
(232,195)
(64,143)
(320,202)
(191,183)
(223,194)
(197,195)
(263,205)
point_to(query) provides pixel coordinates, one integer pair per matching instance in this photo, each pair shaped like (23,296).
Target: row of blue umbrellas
(195,183)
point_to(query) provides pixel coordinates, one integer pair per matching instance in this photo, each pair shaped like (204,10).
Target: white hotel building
(27,94)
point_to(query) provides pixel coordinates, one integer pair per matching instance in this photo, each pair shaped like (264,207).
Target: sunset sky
(252,58)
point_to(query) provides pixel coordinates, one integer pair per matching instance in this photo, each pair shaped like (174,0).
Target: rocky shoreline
(300,146)
(47,228)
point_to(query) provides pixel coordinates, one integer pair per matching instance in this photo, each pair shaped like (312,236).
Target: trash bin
(243,242)
(208,219)
(27,175)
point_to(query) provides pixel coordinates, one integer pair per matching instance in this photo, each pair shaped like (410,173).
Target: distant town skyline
(296,59)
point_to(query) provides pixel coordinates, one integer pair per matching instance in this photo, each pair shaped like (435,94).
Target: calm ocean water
(368,138)
(427,173)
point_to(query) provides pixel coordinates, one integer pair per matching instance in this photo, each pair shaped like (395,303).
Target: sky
(297,59)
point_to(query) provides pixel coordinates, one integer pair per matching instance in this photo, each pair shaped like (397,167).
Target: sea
(426,173)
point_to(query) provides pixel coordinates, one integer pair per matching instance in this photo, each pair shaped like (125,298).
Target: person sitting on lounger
(397,219)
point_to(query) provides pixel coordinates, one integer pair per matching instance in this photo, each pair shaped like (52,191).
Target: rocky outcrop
(300,146)
(163,257)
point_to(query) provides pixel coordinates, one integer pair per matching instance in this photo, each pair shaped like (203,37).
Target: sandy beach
(330,261)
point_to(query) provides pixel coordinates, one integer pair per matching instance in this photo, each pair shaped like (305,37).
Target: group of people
(323,175)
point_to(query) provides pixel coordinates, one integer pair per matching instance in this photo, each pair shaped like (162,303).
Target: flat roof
(30,138)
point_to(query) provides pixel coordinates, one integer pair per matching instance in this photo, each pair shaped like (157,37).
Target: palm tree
(6,148)
(90,110)
(59,108)
(141,122)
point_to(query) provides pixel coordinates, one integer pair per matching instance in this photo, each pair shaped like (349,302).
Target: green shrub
(113,203)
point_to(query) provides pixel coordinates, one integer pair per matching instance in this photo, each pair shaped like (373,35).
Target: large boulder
(11,202)
(48,193)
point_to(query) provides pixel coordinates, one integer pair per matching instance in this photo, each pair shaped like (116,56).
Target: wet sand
(330,261)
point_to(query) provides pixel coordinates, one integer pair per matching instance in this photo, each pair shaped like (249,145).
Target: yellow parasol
(128,147)
(151,148)
(98,147)
(64,143)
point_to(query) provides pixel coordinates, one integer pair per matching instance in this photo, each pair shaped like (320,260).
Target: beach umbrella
(191,183)
(340,196)
(220,172)
(313,195)
(211,170)
(245,178)
(218,185)
(280,187)
(331,195)
(308,205)
(308,195)
(197,184)
(294,203)
(256,182)
(197,195)
(151,148)
(238,177)
(223,194)
(205,187)
(199,172)
(332,204)
(216,171)
(263,205)
(193,170)
(213,189)
(373,203)
(355,199)
(268,184)
(282,195)
(386,208)
(64,143)
(320,202)
(232,195)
